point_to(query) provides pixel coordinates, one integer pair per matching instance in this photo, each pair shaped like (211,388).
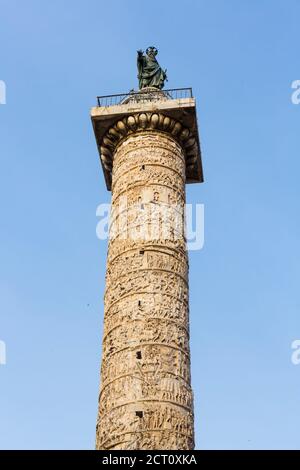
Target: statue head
(151,51)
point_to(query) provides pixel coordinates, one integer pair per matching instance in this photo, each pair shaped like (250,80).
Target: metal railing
(143,96)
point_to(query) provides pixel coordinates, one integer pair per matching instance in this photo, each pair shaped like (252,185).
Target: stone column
(146,401)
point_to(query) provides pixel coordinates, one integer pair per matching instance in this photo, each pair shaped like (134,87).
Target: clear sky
(240,57)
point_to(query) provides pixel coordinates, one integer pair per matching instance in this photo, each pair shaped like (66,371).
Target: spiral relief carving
(145,399)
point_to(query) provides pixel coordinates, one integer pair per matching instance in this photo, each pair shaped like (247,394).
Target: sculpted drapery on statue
(150,74)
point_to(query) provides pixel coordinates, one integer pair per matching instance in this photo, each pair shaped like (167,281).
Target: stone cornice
(141,122)
(177,118)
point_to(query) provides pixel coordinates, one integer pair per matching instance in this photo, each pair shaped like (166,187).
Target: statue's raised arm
(150,74)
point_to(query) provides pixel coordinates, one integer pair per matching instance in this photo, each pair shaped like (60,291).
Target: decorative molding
(141,122)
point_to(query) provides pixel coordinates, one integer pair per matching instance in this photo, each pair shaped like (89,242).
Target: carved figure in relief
(146,301)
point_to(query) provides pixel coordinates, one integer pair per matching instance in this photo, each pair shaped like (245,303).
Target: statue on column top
(150,74)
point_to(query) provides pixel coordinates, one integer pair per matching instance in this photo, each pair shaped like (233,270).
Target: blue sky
(240,57)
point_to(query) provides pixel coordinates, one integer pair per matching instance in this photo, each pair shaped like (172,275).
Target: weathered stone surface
(145,400)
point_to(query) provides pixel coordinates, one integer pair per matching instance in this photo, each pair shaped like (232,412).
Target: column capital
(133,115)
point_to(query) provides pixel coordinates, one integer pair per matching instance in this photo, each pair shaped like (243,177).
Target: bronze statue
(150,73)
